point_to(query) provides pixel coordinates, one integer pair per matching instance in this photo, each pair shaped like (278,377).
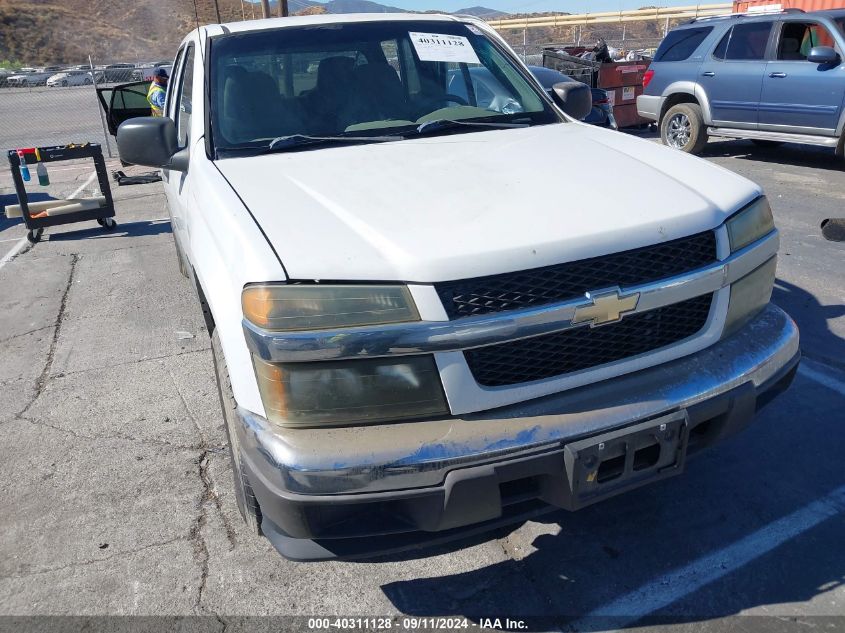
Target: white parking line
(822,377)
(22,242)
(682,582)
(15,250)
(81,187)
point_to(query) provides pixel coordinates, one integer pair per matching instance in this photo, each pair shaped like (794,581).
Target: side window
(722,46)
(681,44)
(168,103)
(744,42)
(185,97)
(797,38)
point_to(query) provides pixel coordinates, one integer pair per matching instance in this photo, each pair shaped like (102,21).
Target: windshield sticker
(435,47)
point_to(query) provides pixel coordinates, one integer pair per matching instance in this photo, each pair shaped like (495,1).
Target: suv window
(186,89)
(744,42)
(680,44)
(797,38)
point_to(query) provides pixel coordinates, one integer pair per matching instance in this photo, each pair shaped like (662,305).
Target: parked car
(771,78)
(32,76)
(71,78)
(147,71)
(116,72)
(602,110)
(411,337)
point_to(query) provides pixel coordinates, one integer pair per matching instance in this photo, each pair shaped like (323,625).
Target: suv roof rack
(751,14)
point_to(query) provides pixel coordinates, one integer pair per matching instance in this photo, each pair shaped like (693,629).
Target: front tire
(682,128)
(245,497)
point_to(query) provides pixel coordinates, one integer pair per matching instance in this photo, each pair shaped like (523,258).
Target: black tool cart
(36,222)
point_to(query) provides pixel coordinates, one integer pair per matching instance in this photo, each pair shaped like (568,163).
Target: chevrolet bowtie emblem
(605,306)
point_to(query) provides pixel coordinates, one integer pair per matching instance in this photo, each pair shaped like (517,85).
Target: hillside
(41,32)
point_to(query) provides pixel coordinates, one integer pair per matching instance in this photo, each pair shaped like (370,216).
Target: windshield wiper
(445,124)
(282,143)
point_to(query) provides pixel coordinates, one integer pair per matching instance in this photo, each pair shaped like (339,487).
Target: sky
(530,6)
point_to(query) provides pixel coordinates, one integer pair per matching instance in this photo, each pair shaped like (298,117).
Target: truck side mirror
(823,55)
(152,142)
(574,98)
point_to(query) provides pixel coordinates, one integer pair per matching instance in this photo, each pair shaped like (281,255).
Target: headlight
(350,392)
(283,307)
(749,296)
(750,224)
(326,393)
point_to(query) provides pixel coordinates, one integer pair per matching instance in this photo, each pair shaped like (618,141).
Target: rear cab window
(679,45)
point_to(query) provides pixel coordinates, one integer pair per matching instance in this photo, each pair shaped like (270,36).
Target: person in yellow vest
(157,92)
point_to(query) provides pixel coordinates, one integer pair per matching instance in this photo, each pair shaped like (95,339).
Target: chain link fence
(59,105)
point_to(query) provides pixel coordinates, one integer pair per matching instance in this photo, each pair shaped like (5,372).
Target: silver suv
(772,78)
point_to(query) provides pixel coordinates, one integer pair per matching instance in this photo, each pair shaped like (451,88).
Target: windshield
(362,79)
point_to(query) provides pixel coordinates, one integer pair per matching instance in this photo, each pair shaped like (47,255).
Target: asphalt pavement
(116,493)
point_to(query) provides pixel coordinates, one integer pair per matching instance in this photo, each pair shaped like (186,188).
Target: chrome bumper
(649,106)
(389,457)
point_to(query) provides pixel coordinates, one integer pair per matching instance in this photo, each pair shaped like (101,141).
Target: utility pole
(283,9)
(217,10)
(265,8)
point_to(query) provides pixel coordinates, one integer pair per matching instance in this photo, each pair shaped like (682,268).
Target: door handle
(708,73)
(777,75)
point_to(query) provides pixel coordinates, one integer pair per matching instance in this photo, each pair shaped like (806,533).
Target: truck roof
(328,18)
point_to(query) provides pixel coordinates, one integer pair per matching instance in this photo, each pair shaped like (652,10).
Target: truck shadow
(123,229)
(817,340)
(755,521)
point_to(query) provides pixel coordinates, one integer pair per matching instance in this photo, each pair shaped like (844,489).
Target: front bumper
(337,485)
(649,106)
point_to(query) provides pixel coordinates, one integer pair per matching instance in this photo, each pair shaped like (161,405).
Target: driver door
(123,102)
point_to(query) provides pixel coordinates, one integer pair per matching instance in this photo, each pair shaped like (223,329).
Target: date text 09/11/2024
(415,623)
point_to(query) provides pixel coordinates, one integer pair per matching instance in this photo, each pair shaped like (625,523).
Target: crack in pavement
(85,563)
(119,436)
(208,484)
(14,336)
(42,379)
(132,362)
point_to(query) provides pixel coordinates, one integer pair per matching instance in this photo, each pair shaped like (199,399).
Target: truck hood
(466,205)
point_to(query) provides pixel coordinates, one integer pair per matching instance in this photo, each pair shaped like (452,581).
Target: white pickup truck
(427,317)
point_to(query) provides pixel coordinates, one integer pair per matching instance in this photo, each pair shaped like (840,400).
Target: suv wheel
(247,503)
(682,128)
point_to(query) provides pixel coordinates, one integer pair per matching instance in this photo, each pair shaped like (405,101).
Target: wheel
(87,81)
(107,223)
(245,497)
(35,235)
(64,83)
(764,143)
(683,128)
